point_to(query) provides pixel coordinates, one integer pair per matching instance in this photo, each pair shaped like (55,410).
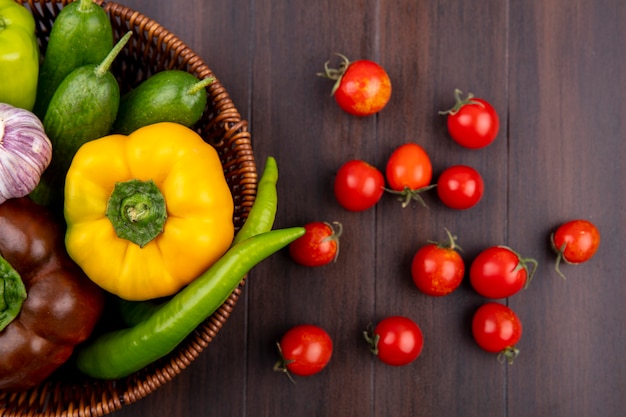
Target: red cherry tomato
(460,187)
(318,246)
(472,122)
(497,329)
(499,272)
(358,185)
(396,340)
(362,87)
(575,242)
(437,268)
(305,350)
(408,172)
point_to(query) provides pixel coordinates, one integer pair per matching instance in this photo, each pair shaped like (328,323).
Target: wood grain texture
(554,71)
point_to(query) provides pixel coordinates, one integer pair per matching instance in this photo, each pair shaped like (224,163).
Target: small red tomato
(305,350)
(472,122)
(358,185)
(499,272)
(318,246)
(575,242)
(362,87)
(437,268)
(408,172)
(460,187)
(396,340)
(497,329)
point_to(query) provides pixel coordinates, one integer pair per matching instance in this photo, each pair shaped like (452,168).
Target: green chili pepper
(120,353)
(134,312)
(263,211)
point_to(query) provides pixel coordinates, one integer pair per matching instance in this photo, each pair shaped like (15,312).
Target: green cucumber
(83,108)
(81,35)
(167,96)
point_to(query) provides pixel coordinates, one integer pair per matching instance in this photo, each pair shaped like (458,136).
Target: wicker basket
(151,49)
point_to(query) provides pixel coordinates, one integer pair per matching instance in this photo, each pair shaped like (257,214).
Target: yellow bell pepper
(148,212)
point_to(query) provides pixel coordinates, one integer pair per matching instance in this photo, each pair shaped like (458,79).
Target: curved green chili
(263,211)
(120,353)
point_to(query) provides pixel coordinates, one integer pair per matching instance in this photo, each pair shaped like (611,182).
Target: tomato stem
(407,194)
(281,364)
(522,263)
(560,256)
(371,338)
(449,244)
(508,354)
(337,230)
(335,74)
(460,102)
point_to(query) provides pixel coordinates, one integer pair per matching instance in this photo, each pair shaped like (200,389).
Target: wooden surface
(554,70)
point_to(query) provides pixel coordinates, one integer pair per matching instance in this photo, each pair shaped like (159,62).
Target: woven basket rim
(226,130)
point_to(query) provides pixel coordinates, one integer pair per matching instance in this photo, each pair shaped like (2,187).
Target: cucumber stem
(200,85)
(85,5)
(104,66)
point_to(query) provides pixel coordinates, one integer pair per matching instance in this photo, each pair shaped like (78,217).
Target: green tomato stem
(335,73)
(509,354)
(407,195)
(371,338)
(460,102)
(337,229)
(450,243)
(522,263)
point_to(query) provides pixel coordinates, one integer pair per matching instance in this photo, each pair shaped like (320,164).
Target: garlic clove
(25,152)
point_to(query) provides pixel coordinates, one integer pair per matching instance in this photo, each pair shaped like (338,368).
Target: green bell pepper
(19,55)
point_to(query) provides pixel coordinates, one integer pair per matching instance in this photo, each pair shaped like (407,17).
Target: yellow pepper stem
(137,211)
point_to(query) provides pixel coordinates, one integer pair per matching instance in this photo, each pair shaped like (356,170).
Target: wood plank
(295,119)
(566,136)
(432,48)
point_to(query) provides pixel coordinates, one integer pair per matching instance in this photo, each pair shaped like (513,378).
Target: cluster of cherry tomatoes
(363,88)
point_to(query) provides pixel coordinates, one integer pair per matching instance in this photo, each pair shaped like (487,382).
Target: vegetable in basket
(148,212)
(19,55)
(263,212)
(167,96)
(47,304)
(83,108)
(25,151)
(81,35)
(120,353)
(159,330)
(260,220)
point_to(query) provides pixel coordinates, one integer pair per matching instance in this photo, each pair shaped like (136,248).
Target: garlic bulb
(25,152)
